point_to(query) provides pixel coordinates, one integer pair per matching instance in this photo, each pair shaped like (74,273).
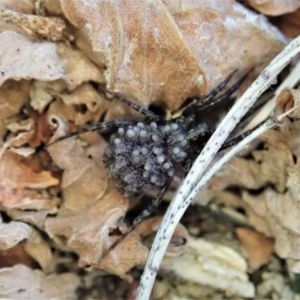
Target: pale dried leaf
(86,95)
(24,6)
(289,99)
(77,67)
(91,209)
(264,169)
(208,263)
(279,210)
(144,65)
(50,28)
(13,95)
(186,37)
(19,179)
(289,24)
(20,282)
(43,93)
(178,245)
(275,7)
(23,59)
(259,248)
(16,173)
(225,36)
(13,233)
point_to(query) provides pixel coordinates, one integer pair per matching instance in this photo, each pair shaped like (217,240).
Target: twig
(186,192)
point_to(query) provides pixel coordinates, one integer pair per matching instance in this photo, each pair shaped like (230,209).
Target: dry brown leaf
(259,248)
(23,59)
(13,95)
(11,236)
(90,211)
(215,265)
(178,244)
(16,255)
(13,233)
(95,104)
(20,282)
(173,48)
(290,24)
(129,253)
(77,67)
(274,211)
(20,177)
(289,99)
(144,65)
(266,168)
(241,39)
(178,52)
(24,6)
(18,173)
(274,7)
(50,28)
(53,7)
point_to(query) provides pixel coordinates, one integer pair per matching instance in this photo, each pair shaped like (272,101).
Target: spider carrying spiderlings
(145,156)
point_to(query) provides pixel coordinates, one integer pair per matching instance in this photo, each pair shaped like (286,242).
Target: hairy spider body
(143,156)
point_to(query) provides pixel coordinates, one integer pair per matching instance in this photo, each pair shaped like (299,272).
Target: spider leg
(145,112)
(139,219)
(240,137)
(211,99)
(95,127)
(207,99)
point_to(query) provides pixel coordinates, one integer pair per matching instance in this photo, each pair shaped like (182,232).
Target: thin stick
(183,197)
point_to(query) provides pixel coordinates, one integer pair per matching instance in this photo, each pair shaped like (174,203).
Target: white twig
(184,195)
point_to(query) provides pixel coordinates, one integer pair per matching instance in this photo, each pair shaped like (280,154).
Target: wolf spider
(145,156)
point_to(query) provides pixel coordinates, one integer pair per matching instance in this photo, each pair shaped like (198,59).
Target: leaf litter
(58,206)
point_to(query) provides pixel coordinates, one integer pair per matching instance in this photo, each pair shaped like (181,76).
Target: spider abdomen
(142,156)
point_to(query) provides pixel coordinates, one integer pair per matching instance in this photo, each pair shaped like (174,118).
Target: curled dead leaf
(274,7)
(259,248)
(156,46)
(50,28)
(290,24)
(13,95)
(206,263)
(90,212)
(21,282)
(175,46)
(44,64)
(289,100)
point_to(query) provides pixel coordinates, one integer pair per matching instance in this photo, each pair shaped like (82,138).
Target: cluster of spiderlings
(143,156)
